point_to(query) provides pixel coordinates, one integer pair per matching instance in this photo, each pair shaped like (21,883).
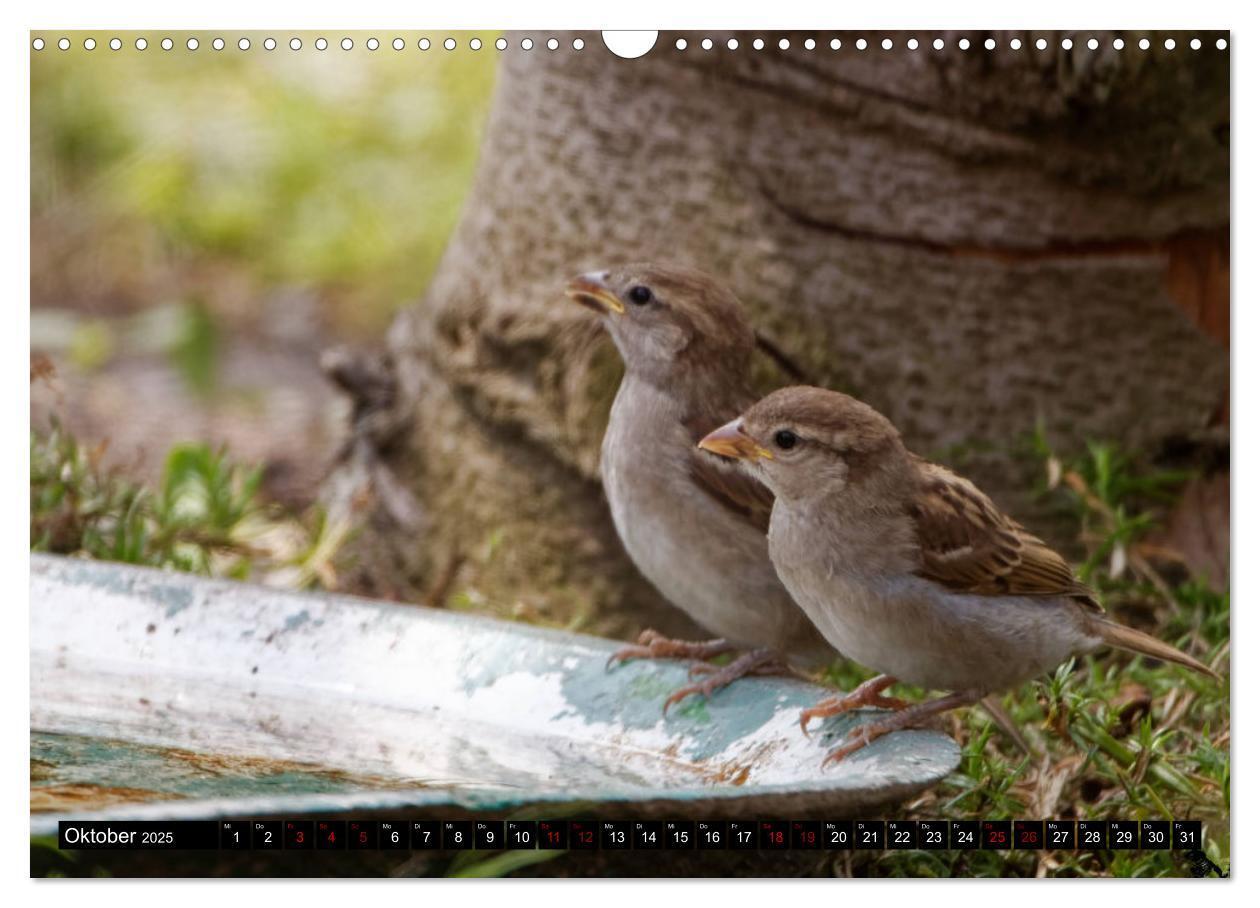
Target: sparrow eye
(785,439)
(640,295)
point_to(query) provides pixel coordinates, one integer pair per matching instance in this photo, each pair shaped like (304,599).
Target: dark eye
(640,295)
(785,439)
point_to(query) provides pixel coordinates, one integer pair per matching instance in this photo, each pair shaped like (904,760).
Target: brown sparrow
(693,523)
(908,568)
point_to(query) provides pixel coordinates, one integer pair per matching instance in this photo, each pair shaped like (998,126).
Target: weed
(206,516)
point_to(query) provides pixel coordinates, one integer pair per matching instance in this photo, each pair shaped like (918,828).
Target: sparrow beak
(731,440)
(592,291)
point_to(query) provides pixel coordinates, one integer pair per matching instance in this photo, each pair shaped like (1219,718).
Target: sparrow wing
(970,546)
(725,482)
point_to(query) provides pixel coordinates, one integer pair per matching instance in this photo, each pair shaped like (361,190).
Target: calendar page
(683,453)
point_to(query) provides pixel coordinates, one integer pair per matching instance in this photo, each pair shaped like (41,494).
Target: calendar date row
(635,835)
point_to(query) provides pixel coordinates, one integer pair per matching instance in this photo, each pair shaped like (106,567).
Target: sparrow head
(667,321)
(805,442)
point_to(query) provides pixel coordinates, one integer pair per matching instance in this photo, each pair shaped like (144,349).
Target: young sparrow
(906,567)
(693,523)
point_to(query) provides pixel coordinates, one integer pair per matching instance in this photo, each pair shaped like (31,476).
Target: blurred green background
(204,222)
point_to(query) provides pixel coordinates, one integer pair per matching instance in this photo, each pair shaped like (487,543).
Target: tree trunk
(972,241)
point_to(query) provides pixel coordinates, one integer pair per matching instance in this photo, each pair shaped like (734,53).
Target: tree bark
(972,241)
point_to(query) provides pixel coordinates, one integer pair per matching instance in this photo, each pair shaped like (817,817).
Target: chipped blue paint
(179,600)
(77,760)
(293,622)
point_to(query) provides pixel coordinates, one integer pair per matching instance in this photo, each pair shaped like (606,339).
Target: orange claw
(839,753)
(905,718)
(819,710)
(653,645)
(704,688)
(758,661)
(868,693)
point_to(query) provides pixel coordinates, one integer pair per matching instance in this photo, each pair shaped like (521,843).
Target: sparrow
(908,568)
(693,523)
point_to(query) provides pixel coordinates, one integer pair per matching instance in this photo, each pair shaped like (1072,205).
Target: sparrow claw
(770,668)
(818,710)
(863,735)
(625,654)
(654,645)
(758,661)
(868,693)
(862,738)
(703,688)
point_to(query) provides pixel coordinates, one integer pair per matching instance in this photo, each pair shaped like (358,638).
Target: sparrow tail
(1137,642)
(993,706)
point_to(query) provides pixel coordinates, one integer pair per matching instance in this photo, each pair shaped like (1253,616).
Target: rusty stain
(42,769)
(735,772)
(1198,282)
(230,764)
(65,798)
(1198,279)
(181,765)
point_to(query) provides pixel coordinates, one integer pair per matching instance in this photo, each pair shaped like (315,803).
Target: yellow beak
(592,291)
(732,441)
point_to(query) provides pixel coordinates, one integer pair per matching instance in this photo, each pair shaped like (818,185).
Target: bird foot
(775,667)
(858,738)
(653,645)
(905,718)
(755,662)
(868,693)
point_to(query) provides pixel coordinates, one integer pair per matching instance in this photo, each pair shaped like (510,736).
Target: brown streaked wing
(968,545)
(724,481)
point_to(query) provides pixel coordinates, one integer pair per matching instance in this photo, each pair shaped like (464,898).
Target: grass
(1114,736)
(206,516)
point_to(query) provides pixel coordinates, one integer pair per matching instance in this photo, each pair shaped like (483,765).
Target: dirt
(270,406)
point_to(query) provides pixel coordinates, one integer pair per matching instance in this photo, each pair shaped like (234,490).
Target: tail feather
(1002,719)
(1137,642)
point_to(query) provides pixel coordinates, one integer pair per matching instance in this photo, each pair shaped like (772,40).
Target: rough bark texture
(971,241)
